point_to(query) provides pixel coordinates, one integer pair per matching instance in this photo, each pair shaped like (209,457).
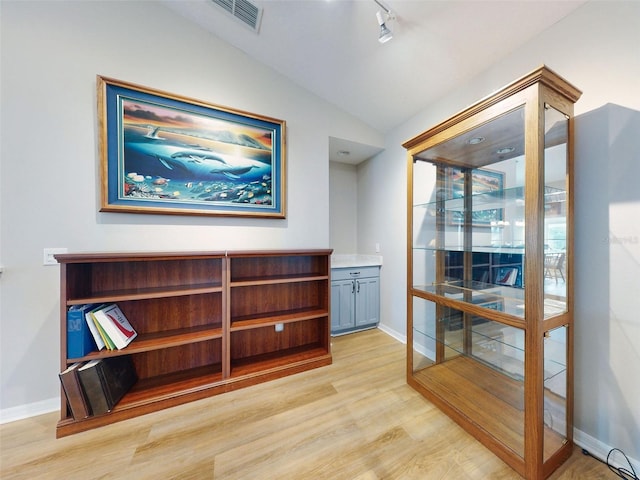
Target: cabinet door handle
(353,286)
(358,282)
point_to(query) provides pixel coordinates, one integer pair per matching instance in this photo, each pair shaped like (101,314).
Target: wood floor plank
(356,419)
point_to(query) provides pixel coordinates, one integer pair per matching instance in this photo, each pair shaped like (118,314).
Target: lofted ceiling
(331,48)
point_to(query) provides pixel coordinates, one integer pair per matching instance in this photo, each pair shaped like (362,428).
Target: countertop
(355,260)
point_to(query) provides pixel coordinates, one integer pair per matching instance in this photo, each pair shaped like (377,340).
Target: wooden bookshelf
(207,322)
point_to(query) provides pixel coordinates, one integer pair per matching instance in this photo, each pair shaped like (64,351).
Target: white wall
(607,249)
(597,49)
(51,54)
(343,208)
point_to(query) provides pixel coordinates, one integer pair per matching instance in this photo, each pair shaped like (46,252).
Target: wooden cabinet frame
(523,445)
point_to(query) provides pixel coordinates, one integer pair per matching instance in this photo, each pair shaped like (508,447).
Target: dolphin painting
(150,155)
(203,164)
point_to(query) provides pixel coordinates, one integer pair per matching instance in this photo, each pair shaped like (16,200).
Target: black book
(106,380)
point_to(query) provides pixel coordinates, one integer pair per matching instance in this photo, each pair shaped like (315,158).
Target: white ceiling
(331,48)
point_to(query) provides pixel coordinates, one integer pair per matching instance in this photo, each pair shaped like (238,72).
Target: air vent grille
(243,10)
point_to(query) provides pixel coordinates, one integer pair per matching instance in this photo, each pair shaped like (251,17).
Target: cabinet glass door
(555,277)
(468,296)
(555,211)
(468,216)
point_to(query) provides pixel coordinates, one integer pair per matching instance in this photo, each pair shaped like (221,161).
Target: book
(106,380)
(73,391)
(97,338)
(506,276)
(103,335)
(79,338)
(115,325)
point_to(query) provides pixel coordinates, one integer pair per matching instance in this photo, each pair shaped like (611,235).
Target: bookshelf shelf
(159,340)
(205,321)
(249,321)
(271,362)
(145,293)
(276,279)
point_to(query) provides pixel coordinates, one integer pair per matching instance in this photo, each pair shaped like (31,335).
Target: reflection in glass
(555,210)
(555,390)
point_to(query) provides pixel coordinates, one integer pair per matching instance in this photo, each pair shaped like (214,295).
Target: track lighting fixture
(383,17)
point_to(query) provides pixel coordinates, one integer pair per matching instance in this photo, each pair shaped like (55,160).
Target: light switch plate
(48,255)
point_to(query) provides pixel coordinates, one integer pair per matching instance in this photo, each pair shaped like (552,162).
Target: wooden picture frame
(163,153)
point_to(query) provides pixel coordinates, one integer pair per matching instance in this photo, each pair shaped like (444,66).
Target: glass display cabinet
(489,303)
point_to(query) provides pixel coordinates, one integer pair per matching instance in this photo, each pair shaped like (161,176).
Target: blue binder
(79,339)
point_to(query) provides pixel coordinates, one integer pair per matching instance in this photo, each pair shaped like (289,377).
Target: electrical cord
(619,471)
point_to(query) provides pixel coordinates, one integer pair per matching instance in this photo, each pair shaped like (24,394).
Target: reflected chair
(553,266)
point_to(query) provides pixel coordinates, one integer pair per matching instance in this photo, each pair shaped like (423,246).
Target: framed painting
(167,154)
(482,182)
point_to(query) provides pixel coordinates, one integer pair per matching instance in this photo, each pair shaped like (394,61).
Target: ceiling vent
(244,11)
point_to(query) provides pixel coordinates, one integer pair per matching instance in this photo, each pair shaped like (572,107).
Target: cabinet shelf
(146,293)
(497,249)
(275,279)
(495,199)
(271,362)
(497,346)
(275,268)
(161,387)
(205,322)
(499,415)
(498,299)
(158,340)
(287,316)
(152,394)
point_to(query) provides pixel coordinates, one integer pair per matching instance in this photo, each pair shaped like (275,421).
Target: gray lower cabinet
(355,299)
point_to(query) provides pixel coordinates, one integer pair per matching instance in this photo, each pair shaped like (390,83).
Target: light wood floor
(355,419)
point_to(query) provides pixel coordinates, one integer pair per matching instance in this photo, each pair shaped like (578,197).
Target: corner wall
(596,49)
(49,195)
(343,208)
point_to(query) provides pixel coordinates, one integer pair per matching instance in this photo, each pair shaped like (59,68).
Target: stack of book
(91,327)
(96,386)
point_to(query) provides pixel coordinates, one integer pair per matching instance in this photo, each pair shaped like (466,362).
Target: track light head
(385,33)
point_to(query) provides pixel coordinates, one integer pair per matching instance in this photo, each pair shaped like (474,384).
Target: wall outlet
(48,255)
(279,327)
(377,248)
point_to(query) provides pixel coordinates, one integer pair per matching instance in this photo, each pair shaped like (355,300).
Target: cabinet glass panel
(468,214)
(424,223)
(555,209)
(455,352)
(555,390)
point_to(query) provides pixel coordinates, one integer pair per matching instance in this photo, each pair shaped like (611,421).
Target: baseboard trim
(600,450)
(21,412)
(392,333)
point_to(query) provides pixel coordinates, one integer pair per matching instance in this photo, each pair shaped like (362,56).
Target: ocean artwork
(169,154)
